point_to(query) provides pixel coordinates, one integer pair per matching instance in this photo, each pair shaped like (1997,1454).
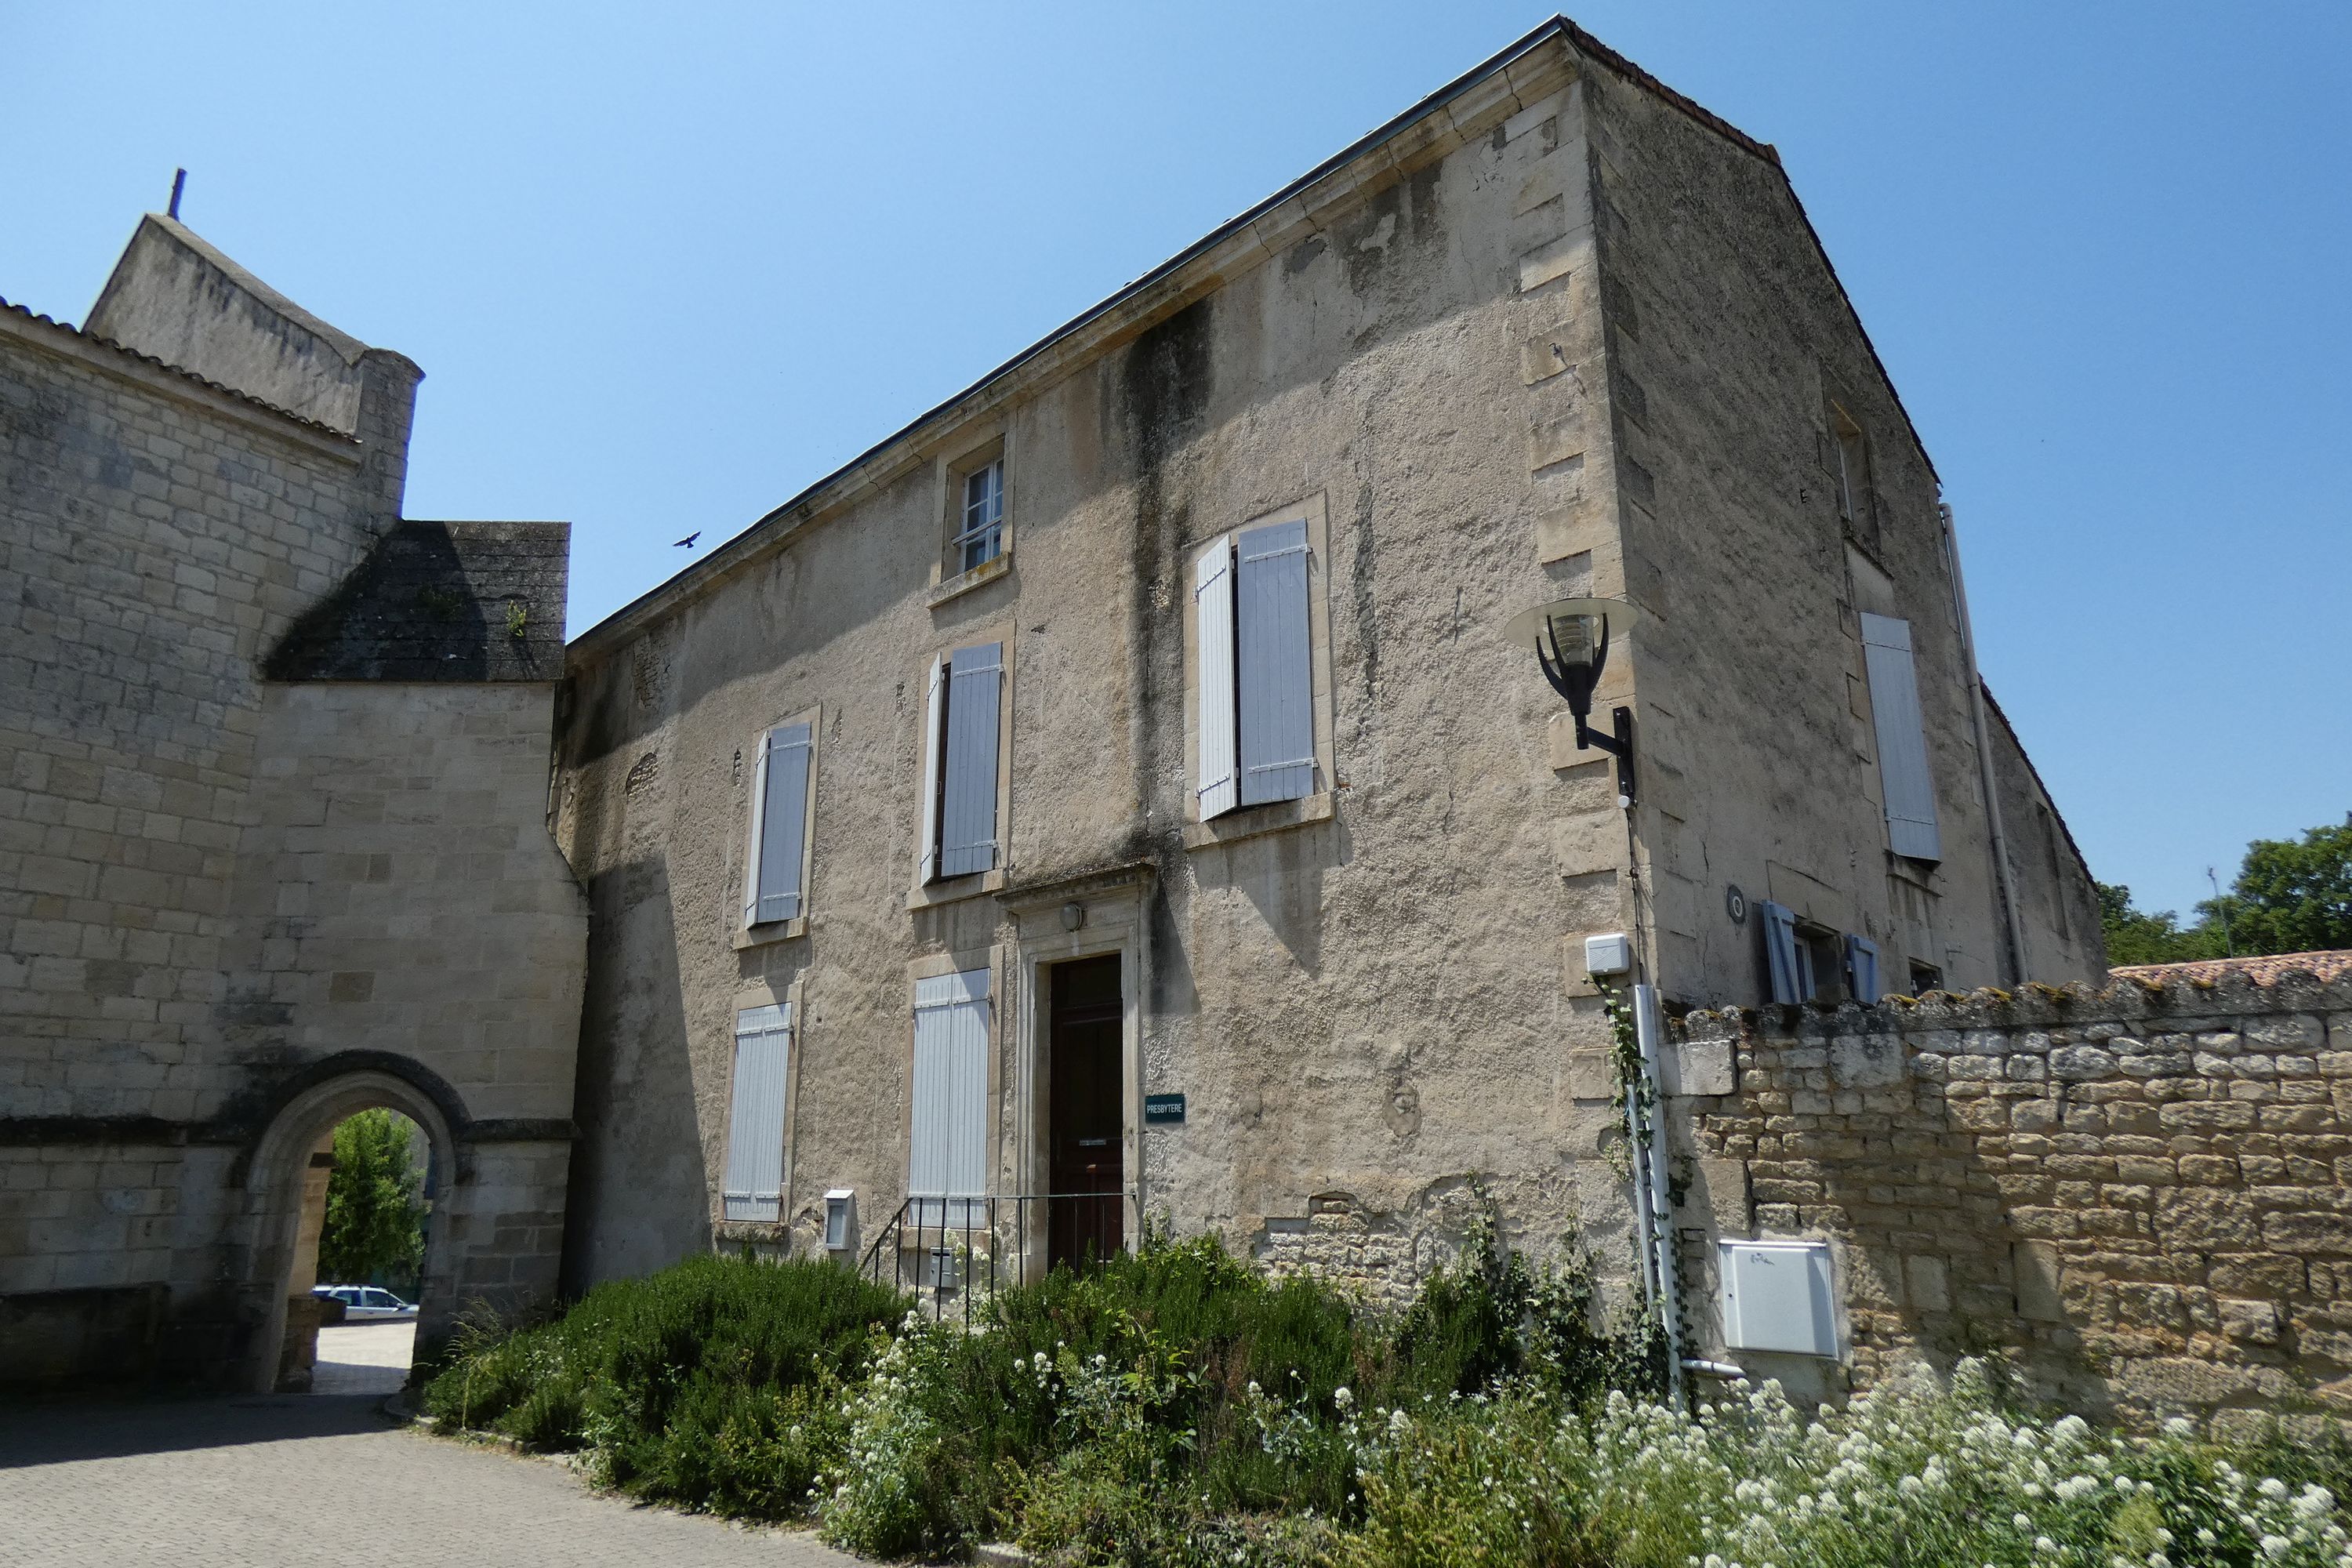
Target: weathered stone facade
(273,784)
(1556,331)
(2140,1196)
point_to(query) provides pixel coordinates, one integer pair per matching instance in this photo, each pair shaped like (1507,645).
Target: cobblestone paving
(295,1480)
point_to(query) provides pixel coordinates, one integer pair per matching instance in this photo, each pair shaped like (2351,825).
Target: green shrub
(714,1385)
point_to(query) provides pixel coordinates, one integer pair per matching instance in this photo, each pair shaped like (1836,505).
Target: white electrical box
(836,1219)
(1779,1296)
(1610,954)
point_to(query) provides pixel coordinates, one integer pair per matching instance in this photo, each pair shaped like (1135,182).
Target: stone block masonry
(2140,1197)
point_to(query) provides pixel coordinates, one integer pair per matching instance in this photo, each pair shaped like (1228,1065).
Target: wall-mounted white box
(1779,1296)
(836,1219)
(1610,954)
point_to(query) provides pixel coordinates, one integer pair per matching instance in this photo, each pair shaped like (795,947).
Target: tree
(2135,936)
(374,1216)
(2290,896)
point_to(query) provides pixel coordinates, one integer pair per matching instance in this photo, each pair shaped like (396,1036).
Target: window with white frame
(960,768)
(752,1188)
(947,1150)
(776,873)
(978,536)
(1255,669)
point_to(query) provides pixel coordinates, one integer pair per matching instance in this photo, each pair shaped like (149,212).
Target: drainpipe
(2007,891)
(1658,1210)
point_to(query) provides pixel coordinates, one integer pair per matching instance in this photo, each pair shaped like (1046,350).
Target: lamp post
(1570,639)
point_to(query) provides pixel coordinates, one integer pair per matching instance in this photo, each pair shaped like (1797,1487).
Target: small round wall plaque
(1735,904)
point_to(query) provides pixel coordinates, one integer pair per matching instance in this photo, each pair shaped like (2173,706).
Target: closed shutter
(1903,775)
(1862,967)
(754,1183)
(934,760)
(779,825)
(968,798)
(1784,958)
(1220,740)
(947,1158)
(1276,680)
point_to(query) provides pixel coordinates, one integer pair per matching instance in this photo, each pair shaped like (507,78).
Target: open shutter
(1903,775)
(968,798)
(1862,967)
(934,761)
(1220,740)
(779,828)
(753,1187)
(1784,958)
(1277,678)
(947,1160)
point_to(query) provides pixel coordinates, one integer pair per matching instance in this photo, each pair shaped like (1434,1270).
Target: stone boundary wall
(2140,1197)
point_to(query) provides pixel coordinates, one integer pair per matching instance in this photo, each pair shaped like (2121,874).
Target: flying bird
(688,542)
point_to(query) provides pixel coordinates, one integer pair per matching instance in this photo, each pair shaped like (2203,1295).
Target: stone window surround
(1272,817)
(765,932)
(930,966)
(922,894)
(949,579)
(752,995)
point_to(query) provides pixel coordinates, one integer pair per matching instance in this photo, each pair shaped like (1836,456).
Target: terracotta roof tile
(2265,970)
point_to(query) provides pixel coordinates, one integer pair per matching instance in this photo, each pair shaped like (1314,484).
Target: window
(980,536)
(1256,669)
(960,771)
(1809,963)
(753,1187)
(1908,787)
(777,864)
(947,1150)
(1851,453)
(1924,977)
(2049,821)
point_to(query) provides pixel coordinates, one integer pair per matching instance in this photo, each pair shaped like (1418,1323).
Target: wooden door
(1084,1118)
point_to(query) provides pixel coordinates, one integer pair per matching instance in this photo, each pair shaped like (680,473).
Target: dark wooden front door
(1087,1169)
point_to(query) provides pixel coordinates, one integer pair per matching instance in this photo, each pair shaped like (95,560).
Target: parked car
(365,1303)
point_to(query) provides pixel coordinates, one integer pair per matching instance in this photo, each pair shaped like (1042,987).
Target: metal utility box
(1610,954)
(1779,1296)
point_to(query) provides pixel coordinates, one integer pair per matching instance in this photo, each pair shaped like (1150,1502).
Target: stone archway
(274,1196)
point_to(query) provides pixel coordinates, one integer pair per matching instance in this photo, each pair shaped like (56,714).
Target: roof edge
(756,536)
(22,318)
(348,347)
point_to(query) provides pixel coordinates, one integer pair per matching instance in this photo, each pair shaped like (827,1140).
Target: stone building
(273,828)
(1113,793)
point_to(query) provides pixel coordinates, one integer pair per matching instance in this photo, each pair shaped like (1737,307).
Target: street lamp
(1572,638)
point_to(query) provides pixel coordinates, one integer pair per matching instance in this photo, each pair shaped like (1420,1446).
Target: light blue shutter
(947,1156)
(1218,739)
(1903,775)
(780,826)
(968,802)
(1784,957)
(934,758)
(753,1187)
(1277,678)
(1862,967)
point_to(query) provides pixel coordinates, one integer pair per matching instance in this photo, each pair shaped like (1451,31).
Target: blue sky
(664,270)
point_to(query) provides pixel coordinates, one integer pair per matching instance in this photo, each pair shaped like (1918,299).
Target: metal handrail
(972,1233)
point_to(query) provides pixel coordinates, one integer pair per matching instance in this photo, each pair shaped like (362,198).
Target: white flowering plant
(1912,1473)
